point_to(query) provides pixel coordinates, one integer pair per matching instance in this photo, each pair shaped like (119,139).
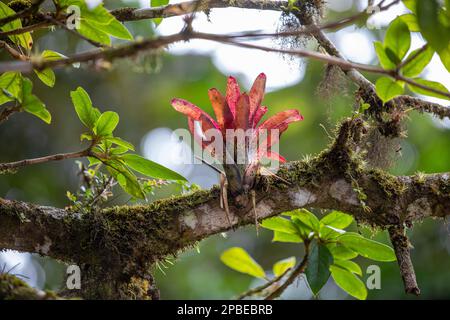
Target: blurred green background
(141,97)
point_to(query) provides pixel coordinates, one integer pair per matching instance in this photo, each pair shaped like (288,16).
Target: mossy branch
(125,241)
(13,288)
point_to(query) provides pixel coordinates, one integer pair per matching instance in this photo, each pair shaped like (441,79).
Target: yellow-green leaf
(10,86)
(411,21)
(349,282)
(150,168)
(279,236)
(340,252)
(91,32)
(421,59)
(24,40)
(83,107)
(32,104)
(387,88)
(281,266)
(367,248)
(398,38)
(114,28)
(384,59)
(280,224)
(337,219)
(238,259)
(431,84)
(106,123)
(349,265)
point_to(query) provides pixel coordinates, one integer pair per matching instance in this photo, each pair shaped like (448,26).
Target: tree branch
(55,157)
(292,276)
(124,240)
(171,10)
(13,288)
(24,13)
(401,246)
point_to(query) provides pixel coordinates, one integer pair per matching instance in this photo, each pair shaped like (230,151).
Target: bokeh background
(140,91)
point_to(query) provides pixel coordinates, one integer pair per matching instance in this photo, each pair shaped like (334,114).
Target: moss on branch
(13,288)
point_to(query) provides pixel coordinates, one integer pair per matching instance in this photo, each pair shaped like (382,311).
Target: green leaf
(106,124)
(416,66)
(398,38)
(387,88)
(158,3)
(384,59)
(410,4)
(444,55)
(238,259)
(433,30)
(340,252)
(118,150)
(332,225)
(93,161)
(279,236)
(23,39)
(114,28)
(317,271)
(281,266)
(86,136)
(367,248)
(337,219)
(120,142)
(280,224)
(328,232)
(150,168)
(349,265)
(349,282)
(10,86)
(47,76)
(126,179)
(83,107)
(50,55)
(306,218)
(99,14)
(431,84)
(411,21)
(32,104)
(91,32)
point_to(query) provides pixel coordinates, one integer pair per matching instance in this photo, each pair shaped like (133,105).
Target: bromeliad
(237,127)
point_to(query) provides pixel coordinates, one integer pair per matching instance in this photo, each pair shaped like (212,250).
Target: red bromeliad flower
(239,111)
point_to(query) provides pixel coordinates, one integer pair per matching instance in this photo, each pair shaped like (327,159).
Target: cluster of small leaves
(96,24)
(14,87)
(94,190)
(23,40)
(17,89)
(331,250)
(433,22)
(114,152)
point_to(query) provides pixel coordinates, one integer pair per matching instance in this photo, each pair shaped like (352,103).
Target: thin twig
(411,58)
(55,157)
(13,52)
(261,288)
(7,112)
(21,14)
(294,274)
(32,27)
